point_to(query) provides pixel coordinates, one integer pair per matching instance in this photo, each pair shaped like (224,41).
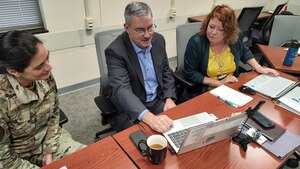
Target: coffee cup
(156,148)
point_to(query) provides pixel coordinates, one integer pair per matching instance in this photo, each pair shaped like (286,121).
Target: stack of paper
(229,95)
(290,101)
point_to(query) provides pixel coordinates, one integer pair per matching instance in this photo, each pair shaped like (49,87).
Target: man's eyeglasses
(142,31)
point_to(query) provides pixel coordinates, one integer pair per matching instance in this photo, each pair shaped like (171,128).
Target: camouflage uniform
(29,124)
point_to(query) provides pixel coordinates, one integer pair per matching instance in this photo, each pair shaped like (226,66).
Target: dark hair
(139,9)
(229,22)
(16,50)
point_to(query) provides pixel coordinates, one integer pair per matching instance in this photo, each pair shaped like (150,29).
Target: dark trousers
(122,120)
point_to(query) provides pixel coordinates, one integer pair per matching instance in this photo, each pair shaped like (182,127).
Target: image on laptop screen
(204,134)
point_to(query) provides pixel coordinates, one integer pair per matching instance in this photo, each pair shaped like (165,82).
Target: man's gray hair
(139,9)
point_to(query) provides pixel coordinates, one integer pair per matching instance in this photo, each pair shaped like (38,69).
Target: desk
(275,56)
(201,18)
(223,154)
(105,153)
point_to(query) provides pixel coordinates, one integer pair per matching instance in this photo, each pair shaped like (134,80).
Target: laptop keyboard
(177,137)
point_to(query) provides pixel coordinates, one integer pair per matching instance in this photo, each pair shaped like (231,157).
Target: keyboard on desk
(178,137)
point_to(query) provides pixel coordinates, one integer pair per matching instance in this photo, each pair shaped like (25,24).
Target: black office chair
(245,21)
(107,108)
(262,36)
(63,119)
(183,33)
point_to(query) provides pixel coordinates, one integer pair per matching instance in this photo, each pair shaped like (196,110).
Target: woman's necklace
(219,57)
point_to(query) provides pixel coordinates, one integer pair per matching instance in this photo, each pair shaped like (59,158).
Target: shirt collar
(138,50)
(26,95)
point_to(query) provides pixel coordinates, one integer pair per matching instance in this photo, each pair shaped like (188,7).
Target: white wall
(239,4)
(294,6)
(72,48)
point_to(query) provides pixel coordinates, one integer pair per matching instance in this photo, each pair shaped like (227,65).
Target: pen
(228,102)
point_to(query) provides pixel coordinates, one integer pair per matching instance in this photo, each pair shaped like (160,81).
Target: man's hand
(47,159)
(160,123)
(169,104)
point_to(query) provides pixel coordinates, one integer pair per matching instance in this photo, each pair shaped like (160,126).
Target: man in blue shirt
(141,81)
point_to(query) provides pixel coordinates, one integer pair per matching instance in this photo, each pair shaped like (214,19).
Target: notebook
(271,86)
(231,96)
(199,130)
(284,145)
(290,101)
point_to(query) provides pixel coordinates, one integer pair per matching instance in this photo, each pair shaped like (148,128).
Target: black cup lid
(295,44)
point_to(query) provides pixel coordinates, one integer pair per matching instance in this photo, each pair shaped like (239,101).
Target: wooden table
(103,154)
(223,154)
(200,18)
(275,56)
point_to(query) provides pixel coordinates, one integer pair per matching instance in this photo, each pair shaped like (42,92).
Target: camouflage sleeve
(7,158)
(53,134)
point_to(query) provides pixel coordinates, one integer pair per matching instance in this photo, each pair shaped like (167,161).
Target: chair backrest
(102,41)
(285,28)
(267,27)
(247,17)
(245,21)
(183,33)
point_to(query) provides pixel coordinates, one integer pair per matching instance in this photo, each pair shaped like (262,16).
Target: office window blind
(20,14)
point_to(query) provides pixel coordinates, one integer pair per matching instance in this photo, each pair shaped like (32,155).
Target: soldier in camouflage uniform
(30,135)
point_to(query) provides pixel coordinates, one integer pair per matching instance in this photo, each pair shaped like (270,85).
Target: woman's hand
(266,70)
(169,104)
(263,70)
(217,83)
(47,159)
(230,79)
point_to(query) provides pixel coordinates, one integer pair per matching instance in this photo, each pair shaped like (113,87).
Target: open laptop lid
(188,122)
(271,86)
(212,132)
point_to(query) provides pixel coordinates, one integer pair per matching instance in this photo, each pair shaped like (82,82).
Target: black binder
(271,133)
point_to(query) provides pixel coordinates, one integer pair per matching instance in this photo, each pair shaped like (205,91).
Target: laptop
(271,86)
(200,130)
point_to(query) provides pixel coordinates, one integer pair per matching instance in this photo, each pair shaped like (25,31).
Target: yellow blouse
(219,64)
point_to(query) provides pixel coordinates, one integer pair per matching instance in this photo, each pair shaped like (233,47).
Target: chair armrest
(62,118)
(245,67)
(105,105)
(180,77)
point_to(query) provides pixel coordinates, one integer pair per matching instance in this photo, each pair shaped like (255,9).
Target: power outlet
(172,13)
(88,23)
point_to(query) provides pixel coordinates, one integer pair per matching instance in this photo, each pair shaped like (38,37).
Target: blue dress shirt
(150,80)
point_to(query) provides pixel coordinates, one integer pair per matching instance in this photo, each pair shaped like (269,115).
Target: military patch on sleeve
(3,133)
